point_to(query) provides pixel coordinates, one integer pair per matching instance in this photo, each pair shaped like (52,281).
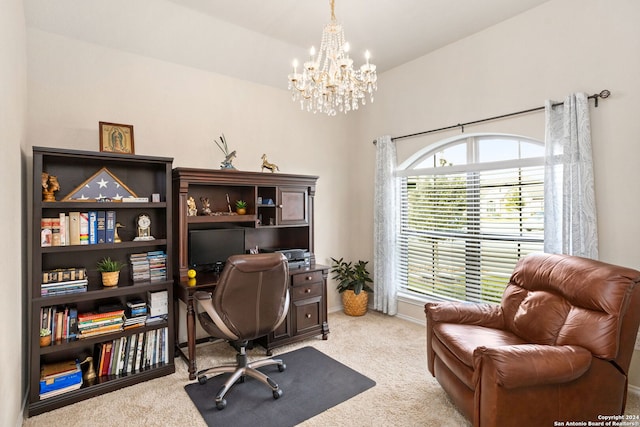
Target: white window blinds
(462,231)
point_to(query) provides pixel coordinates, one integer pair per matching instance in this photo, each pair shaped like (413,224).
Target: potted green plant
(241,207)
(110,270)
(45,337)
(353,284)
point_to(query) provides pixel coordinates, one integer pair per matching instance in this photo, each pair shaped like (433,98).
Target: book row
(65,323)
(78,228)
(133,353)
(122,356)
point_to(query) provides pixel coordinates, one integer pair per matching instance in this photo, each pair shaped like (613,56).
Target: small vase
(241,211)
(110,278)
(45,341)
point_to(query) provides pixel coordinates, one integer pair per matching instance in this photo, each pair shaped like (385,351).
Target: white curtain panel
(385,225)
(570,225)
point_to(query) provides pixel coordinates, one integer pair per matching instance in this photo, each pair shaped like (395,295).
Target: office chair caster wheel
(202,379)
(221,404)
(282,367)
(277,394)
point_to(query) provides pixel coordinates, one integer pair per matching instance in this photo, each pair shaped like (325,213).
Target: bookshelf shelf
(105,246)
(145,176)
(123,289)
(80,343)
(103,385)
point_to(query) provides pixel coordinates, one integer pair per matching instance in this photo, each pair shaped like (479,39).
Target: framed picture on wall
(116,138)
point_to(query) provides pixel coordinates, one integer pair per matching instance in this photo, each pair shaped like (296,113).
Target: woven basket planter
(355,305)
(110,278)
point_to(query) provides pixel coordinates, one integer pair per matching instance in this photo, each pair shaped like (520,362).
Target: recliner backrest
(567,300)
(251,293)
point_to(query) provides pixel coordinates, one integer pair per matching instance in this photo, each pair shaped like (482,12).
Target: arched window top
(480,150)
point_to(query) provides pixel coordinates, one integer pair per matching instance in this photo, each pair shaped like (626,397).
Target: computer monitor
(210,248)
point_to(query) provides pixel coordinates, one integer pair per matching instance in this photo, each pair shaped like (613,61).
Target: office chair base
(239,372)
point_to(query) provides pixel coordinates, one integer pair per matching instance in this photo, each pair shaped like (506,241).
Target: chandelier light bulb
(328,82)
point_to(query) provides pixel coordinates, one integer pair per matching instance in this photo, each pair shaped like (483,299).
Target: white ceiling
(257,40)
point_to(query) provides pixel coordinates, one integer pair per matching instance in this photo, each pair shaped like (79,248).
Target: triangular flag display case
(66,289)
(101,185)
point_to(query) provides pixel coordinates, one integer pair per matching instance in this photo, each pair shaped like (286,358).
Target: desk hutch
(284,223)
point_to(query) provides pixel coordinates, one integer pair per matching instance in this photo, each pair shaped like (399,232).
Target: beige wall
(12,252)
(561,47)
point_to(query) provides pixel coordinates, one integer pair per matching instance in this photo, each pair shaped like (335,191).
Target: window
(471,207)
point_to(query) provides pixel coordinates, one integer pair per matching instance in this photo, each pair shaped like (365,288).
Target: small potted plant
(110,270)
(45,337)
(241,207)
(353,280)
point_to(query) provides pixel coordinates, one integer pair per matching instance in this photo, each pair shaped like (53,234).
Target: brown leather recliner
(557,348)
(250,300)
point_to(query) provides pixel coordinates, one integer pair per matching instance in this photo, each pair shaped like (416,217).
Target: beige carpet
(388,350)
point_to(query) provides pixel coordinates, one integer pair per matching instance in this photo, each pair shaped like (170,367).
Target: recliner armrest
(531,364)
(489,315)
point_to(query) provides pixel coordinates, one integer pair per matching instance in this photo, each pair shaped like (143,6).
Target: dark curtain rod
(603,94)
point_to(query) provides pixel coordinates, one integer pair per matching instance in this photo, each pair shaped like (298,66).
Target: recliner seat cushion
(461,340)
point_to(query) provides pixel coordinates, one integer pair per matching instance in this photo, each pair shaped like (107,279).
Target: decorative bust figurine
(49,187)
(206,206)
(192,210)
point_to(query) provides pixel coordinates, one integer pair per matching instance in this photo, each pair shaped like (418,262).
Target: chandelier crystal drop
(328,82)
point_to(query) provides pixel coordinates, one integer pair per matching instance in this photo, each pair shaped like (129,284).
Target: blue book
(73,322)
(56,381)
(93,227)
(101,227)
(110,226)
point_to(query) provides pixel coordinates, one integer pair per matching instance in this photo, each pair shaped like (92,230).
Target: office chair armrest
(202,295)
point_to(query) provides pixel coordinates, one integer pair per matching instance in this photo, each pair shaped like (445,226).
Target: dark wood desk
(184,291)
(307,315)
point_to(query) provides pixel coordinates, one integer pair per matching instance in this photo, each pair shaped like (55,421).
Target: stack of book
(92,324)
(148,266)
(136,314)
(139,267)
(64,281)
(157,265)
(59,378)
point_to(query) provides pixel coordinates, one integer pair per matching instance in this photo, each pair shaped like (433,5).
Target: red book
(106,356)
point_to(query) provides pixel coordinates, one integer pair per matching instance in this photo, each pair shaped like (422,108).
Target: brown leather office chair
(556,349)
(250,300)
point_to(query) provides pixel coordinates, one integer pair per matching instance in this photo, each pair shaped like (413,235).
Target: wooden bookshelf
(145,175)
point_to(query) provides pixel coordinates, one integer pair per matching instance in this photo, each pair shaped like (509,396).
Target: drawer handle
(309,278)
(308,290)
(308,316)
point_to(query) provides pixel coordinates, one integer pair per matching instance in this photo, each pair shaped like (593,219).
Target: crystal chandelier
(328,82)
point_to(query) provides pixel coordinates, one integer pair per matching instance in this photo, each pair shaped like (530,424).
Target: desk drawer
(306,290)
(308,277)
